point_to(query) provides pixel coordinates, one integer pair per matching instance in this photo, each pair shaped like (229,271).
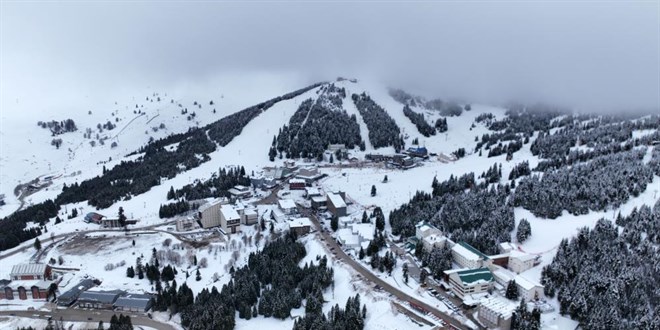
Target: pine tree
(361,254)
(37,244)
(198,276)
(171,194)
(512,290)
(122,217)
(405,273)
(130,272)
(373,190)
(422,276)
(334,223)
(524,230)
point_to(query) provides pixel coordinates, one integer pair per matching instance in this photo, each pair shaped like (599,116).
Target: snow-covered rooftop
(365,230)
(465,252)
(287,204)
(229,212)
(29,269)
(336,200)
(499,305)
(526,283)
(300,222)
(521,255)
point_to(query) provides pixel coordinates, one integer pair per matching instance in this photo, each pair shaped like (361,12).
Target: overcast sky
(590,54)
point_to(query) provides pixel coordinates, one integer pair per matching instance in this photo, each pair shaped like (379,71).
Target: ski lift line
(127,124)
(152,118)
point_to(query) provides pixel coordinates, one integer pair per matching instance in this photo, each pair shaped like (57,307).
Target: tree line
(383,130)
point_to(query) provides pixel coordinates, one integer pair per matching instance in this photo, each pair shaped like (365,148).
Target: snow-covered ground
(27,156)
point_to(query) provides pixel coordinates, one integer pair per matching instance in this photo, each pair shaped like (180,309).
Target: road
(368,275)
(66,235)
(83,315)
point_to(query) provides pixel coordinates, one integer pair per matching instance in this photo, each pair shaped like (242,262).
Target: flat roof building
(230,221)
(467,256)
(470,281)
(336,205)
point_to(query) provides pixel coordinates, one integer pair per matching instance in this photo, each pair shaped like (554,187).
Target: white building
(506,247)
(209,214)
(287,206)
(311,192)
(347,239)
(186,224)
(249,217)
(466,282)
(528,289)
(434,241)
(468,257)
(336,205)
(520,261)
(230,221)
(496,312)
(239,192)
(300,226)
(423,229)
(355,235)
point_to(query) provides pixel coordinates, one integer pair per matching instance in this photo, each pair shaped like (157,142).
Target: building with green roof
(470,281)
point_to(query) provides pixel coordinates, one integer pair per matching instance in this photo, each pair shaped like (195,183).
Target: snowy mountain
(489,169)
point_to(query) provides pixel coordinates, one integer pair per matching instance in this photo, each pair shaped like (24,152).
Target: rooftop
(319,199)
(313,191)
(336,200)
(133,300)
(229,212)
(300,222)
(521,255)
(75,291)
(364,230)
(469,252)
(29,269)
(210,204)
(470,276)
(287,204)
(104,297)
(526,283)
(347,237)
(297,181)
(499,305)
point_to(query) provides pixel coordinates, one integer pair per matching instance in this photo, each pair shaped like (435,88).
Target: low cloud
(589,55)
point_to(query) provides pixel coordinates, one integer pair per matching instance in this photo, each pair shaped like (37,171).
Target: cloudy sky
(589,54)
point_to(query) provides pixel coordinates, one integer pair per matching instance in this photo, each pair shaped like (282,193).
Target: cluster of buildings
(219,213)
(479,273)
(36,282)
(117,300)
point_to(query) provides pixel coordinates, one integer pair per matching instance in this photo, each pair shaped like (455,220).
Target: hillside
(493,167)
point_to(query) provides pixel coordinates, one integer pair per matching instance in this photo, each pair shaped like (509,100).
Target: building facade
(98,299)
(336,205)
(470,281)
(209,214)
(230,221)
(301,226)
(28,272)
(469,257)
(496,312)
